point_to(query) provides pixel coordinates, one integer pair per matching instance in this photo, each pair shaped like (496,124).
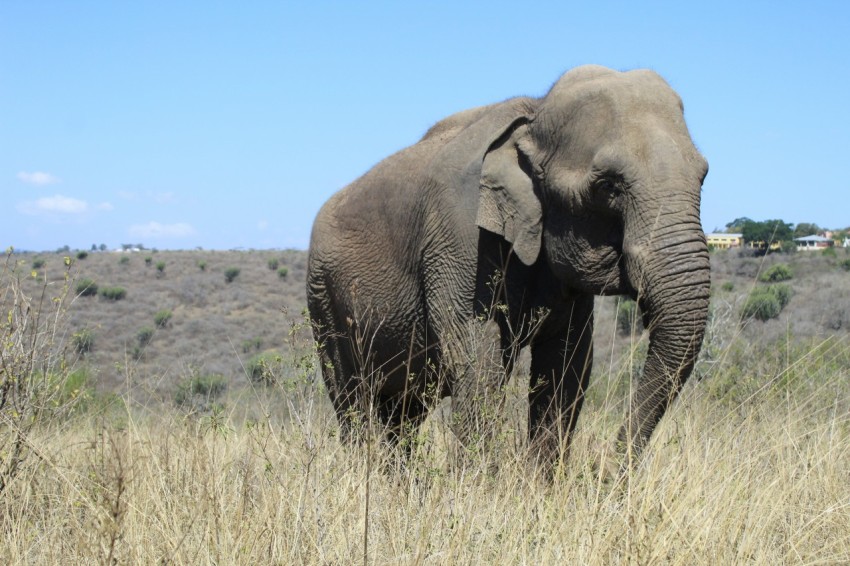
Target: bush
(162,318)
(231,273)
(160,267)
(779,272)
(86,288)
(203,388)
(845,265)
(113,293)
(145,335)
(788,247)
(273,263)
(149,261)
(828,252)
(202,265)
(123,260)
(83,341)
(82,254)
(33,371)
(767,302)
(261,368)
(37,263)
(282,272)
(628,317)
(253,344)
(728,286)
(781,292)
(762,306)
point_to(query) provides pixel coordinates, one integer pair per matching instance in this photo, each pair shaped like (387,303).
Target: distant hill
(216,327)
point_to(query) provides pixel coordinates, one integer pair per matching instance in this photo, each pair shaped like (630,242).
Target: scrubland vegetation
(209,438)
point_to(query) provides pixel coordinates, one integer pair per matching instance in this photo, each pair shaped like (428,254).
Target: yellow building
(721,241)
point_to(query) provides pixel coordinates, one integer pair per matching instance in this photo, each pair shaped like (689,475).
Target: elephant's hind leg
(339,374)
(400,418)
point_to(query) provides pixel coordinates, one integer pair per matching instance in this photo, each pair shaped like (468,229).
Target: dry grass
(763,481)
(750,466)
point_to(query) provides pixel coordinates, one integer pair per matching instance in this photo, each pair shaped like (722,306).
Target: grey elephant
(493,232)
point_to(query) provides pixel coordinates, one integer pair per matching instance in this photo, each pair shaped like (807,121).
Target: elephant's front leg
(475,361)
(560,369)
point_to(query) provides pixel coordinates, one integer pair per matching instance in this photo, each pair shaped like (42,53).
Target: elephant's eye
(606,184)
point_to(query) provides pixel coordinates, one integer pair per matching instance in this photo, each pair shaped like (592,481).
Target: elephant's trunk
(670,274)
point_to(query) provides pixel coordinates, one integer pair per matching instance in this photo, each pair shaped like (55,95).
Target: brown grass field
(127,454)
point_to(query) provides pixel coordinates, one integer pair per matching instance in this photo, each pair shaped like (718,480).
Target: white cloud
(106,206)
(157,230)
(57,204)
(38,178)
(262,225)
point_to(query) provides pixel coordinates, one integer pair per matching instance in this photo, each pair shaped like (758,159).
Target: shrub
(261,368)
(845,265)
(160,267)
(253,344)
(762,306)
(113,293)
(779,272)
(728,286)
(86,288)
(33,370)
(828,252)
(162,318)
(231,273)
(83,341)
(282,272)
(82,254)
(788,247)
(273,264)
(782,293)
(767,302)
(628,317)
(144,335)
(123,260)
(37,263)
(148,261)
(203,388)
(202,265)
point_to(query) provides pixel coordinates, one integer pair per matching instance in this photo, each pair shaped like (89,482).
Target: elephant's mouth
(589,257)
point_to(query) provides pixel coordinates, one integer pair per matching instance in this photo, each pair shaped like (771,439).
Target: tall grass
(749,466)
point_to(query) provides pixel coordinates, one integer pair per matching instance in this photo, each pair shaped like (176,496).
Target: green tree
(804,229)
(766,232)
(737,225)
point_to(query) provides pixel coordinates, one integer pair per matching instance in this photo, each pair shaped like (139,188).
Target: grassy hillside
(217,327)
(750,465)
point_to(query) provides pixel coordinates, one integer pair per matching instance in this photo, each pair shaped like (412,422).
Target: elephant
(494,232)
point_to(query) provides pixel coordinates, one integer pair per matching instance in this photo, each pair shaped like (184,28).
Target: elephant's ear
(507,204)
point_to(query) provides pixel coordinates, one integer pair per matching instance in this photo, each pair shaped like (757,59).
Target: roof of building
(723,235)
(813,238)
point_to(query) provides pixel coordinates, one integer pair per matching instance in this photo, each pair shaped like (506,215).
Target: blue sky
(227,125)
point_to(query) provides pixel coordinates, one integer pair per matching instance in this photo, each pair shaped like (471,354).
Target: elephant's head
(602,182)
